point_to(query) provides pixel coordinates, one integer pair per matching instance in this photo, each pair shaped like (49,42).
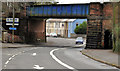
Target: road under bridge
(99,21)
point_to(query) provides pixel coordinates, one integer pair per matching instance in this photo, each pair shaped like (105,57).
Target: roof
(61,20)
(71,20)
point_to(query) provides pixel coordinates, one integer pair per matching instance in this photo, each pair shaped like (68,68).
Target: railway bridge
(99,21)
(99,18)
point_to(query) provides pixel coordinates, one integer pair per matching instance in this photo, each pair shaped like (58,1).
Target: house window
(62,25)
(76,24)
(57,25)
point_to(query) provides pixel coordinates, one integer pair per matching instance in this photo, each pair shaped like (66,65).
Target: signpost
(12,21)
(16,24)
(9,21)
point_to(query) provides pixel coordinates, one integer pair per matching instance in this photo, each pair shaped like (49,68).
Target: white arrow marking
(34,54)
(38,67)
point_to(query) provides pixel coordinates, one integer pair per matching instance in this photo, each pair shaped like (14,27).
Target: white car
(48,35)
(53,34)
(79,42)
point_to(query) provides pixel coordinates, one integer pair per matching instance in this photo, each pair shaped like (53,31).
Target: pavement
(10,45)
(103,55)
(51,41)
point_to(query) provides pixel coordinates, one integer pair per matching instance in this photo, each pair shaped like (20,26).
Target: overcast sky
(80,1)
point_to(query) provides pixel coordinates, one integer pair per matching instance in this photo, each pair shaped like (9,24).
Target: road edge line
(114,65)
(57,60)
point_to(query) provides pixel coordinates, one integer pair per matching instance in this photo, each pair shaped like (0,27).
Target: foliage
(114,0)
(46,3)
(7,7)
(81,29)
(116,31)
(116,39)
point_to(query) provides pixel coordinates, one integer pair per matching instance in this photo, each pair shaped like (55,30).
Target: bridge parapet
(59,11)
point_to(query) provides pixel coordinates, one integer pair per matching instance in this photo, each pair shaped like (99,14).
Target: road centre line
(34,54)
(12,57)
(7,62)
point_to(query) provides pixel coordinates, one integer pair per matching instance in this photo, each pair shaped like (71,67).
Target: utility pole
(13,23)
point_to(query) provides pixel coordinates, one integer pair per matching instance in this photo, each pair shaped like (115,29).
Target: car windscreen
(79,38)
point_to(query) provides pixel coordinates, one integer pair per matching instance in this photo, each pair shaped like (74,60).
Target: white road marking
(38,67)
(7,62)
(10,58)
(34,54)
(13,56)
(60,62)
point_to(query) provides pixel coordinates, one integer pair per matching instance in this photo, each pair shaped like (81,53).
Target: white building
(58,26)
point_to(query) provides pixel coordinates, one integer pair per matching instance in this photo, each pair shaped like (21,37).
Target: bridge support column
(36,30)
(94,27)
(107,25)
(99,21)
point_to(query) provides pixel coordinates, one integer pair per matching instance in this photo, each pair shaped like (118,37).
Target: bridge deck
(59,11)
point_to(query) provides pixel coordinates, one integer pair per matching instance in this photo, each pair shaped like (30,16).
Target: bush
(81,29)
(116,39)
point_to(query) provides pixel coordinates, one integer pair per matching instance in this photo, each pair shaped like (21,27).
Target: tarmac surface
(24,56)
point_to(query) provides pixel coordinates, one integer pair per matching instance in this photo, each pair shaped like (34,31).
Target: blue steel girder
(59,11)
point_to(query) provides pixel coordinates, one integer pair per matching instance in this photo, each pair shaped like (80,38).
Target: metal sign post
(13,23)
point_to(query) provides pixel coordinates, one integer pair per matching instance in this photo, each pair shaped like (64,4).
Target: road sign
(12,24)
(11,20)
(11,28)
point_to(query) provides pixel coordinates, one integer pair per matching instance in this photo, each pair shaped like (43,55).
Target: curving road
(42,58)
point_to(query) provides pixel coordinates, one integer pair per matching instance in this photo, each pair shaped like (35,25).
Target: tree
(114,0)
(116,30)
(116,27)
(46,3)
(7,7)
(81,29)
